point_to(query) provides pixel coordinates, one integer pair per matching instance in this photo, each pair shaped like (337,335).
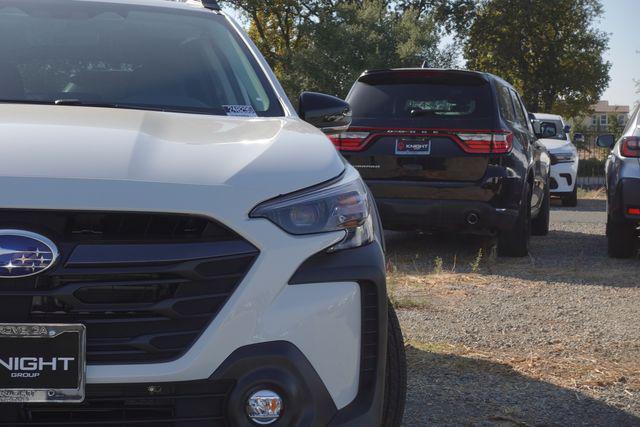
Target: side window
(506,104)
(527,119)
(521,116)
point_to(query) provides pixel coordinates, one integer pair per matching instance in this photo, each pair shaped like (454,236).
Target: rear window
(420,97)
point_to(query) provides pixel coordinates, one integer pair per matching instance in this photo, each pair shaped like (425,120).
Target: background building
(604,117)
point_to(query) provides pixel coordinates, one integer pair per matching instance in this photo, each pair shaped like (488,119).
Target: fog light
(264,407)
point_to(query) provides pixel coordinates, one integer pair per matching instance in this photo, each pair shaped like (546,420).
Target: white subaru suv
(177,246)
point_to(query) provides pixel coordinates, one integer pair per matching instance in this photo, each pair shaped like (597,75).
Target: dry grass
(420,291)
(597,194)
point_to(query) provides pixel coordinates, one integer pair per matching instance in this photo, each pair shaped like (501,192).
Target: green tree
(355,36)
(277,28)
(324,45)
(549,50)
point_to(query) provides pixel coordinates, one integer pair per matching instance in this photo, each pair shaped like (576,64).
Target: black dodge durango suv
(449,150)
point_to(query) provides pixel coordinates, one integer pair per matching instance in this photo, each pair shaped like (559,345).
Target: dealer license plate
(42,363)
(413,147)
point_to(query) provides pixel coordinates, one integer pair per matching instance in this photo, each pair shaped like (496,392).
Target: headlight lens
(562,158)
(338,207)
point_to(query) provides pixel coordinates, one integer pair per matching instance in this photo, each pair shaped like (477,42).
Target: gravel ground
(552,339)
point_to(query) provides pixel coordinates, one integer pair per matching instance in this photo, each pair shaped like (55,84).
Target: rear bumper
(445,215)
(446,205)
(627,196)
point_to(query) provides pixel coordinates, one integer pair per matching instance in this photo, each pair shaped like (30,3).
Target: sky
(621,22)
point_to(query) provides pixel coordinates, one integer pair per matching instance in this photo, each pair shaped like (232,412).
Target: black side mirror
(607,140)
(567,129)
(578,138)
(326,112)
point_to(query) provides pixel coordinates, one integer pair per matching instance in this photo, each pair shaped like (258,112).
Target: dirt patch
(559,328)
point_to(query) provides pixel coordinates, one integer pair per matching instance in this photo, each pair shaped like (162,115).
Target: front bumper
(563,177)
(290,369)
(318,316)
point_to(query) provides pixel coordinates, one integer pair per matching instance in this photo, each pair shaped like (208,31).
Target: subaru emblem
(23,254)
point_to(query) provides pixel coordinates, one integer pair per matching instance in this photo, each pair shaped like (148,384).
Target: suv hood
(261,158)
(557,146)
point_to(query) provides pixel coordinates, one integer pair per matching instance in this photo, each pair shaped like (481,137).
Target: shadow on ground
(584,205)
(448,390)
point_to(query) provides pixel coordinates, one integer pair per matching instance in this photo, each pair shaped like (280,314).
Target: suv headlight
(562,158)
(337,207)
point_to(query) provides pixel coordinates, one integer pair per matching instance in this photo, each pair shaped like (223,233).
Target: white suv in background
(554,135)
(177,246)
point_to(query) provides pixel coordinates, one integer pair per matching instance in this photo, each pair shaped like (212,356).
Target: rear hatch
(422,125)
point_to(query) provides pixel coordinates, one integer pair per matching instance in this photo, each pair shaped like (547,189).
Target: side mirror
(606,141)
(326,112)
(567,129)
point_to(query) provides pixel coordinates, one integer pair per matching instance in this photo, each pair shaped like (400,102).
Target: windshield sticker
(240,110)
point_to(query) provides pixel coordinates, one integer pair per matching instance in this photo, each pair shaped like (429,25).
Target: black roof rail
(211,4)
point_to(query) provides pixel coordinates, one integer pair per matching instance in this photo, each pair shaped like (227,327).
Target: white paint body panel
(324,317)
(82,158)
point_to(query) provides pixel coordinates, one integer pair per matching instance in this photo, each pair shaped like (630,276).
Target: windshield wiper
(25,101)
(73,101)
(418,112)
(126,106)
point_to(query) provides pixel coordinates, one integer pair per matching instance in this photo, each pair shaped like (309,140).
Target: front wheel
(395,392)
(571,200)
(623,239)
(515,243)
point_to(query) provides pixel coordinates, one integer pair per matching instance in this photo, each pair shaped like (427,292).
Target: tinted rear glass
(421,97)
(130,56)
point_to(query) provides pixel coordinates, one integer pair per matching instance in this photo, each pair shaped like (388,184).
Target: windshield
(560,133)
(128,56)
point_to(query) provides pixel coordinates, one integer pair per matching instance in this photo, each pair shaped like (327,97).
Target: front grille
(143,296)
(188,404)
(79,226)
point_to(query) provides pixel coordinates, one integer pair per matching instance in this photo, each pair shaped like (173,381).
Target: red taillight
(630,146)
(349,141)
(634,211)
(486,142)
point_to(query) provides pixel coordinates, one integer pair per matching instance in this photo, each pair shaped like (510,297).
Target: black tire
(622,239)
(515,243)
(540,225)
(395,393)
(571,200)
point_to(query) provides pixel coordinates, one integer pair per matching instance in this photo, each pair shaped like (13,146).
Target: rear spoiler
(418,75)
